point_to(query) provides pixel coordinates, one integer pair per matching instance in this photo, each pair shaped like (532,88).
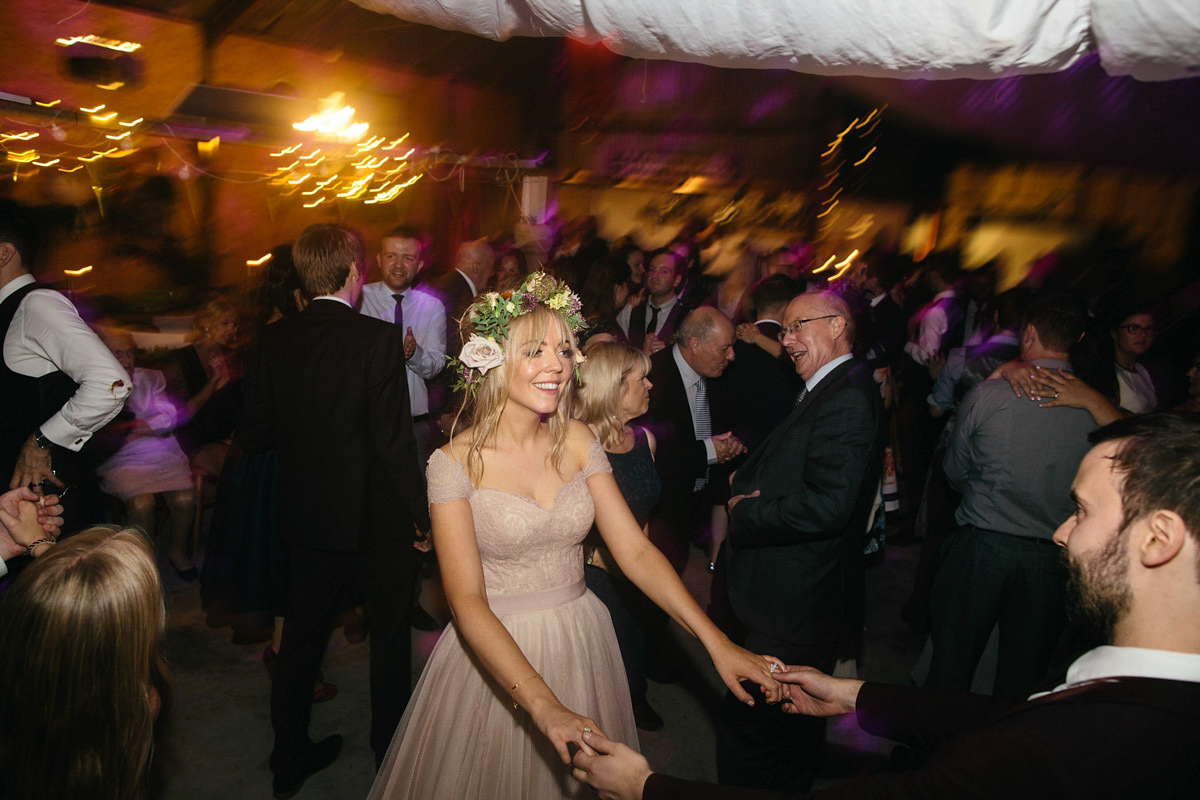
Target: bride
(530,660)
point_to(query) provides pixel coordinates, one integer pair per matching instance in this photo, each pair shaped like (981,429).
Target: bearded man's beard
(1098,593)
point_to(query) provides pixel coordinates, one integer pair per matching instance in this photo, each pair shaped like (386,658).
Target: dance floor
(219,733)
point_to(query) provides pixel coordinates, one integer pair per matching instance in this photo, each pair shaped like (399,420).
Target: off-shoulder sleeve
(597,461)
(446,480)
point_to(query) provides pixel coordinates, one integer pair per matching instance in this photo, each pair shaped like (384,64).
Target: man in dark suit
(650,325)
(1131,546)
(798,518)
(685,415)
(473,266)
(327,391)
(761,384)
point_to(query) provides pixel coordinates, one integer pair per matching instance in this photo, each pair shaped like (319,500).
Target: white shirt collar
(686,373)
(665,305)
(1109,661)
(14,284)
(334,297)
(877,299)
(471,283)
(812,382)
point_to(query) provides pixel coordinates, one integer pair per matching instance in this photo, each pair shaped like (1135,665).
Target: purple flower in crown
(529,302)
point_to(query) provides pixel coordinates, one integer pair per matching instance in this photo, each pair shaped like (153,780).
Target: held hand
(728,447)
(33,466)
(49,511)
(1022,377)
(652,344)
(221,373)
(422,541)
(736,664)
(737,498)
(1066,390)
(23,527)
(616,771)
(813,693)
(935,364)
(748,332)
(410,344)
(562,726)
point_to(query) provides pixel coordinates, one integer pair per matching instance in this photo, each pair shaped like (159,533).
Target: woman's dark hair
(277,292)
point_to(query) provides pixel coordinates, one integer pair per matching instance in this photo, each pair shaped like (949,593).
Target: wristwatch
(40,439)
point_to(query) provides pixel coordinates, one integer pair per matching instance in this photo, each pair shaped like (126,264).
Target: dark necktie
(800,397)
(398,314)
(652,325)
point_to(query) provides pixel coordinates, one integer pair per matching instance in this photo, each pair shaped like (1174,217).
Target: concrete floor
(219,733)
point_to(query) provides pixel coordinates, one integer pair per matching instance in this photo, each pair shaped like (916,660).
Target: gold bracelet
(513,690)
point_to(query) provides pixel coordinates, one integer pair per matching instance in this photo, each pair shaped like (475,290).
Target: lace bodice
(524,547)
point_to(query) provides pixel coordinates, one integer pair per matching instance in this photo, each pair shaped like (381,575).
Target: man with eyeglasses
(798,515)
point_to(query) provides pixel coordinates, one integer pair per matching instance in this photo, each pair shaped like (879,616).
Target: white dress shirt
(664,311)
(46,335)
(690,379)
(934,324)
(426,316)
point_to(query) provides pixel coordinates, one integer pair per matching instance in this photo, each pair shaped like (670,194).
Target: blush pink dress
(461,738)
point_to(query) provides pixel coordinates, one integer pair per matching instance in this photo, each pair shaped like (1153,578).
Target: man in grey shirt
(1013,462)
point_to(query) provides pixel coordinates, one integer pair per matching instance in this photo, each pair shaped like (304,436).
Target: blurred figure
(59,382)
(210,370)
(82,677)
(1193,388)
(149,462)
(614,390)
(650,324)
(473,266)
(511,270)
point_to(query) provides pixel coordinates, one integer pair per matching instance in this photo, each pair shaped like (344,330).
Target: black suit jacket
(758,389)
(639,316)
(1132,737)
(327,390)
(795,552)
(456,295)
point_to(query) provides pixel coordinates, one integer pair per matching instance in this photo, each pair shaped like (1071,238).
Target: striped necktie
(703,423)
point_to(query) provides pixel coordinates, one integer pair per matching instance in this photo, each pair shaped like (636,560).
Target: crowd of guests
(753,419)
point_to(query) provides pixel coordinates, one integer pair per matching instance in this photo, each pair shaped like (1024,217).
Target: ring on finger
(774,667)
(586,729)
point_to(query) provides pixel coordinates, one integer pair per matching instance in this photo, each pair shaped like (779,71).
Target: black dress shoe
(644,716)
(289,780)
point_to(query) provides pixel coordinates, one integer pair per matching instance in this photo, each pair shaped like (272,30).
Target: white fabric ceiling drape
(1151,40)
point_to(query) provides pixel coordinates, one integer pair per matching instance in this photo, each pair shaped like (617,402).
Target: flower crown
(490,317)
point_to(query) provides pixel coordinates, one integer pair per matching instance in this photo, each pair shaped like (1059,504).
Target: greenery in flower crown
(493,312)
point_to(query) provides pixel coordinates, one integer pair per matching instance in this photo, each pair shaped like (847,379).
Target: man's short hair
(324,254)
(1059,318)
(1158,458)
(18,228)
(407,232)
(699,324)
(773,290)
(1010,307)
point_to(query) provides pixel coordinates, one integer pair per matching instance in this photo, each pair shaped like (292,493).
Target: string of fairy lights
(844,169)
(333,159)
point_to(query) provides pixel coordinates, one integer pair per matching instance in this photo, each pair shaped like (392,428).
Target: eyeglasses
(799,324)
(1134,330)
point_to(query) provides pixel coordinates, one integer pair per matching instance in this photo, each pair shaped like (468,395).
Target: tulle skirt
(461,738)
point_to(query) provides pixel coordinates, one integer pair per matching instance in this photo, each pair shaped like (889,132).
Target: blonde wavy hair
(483,411)
(602,375)
(83,672)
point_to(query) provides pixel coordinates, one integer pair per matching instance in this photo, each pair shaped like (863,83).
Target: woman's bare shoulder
(459,445)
